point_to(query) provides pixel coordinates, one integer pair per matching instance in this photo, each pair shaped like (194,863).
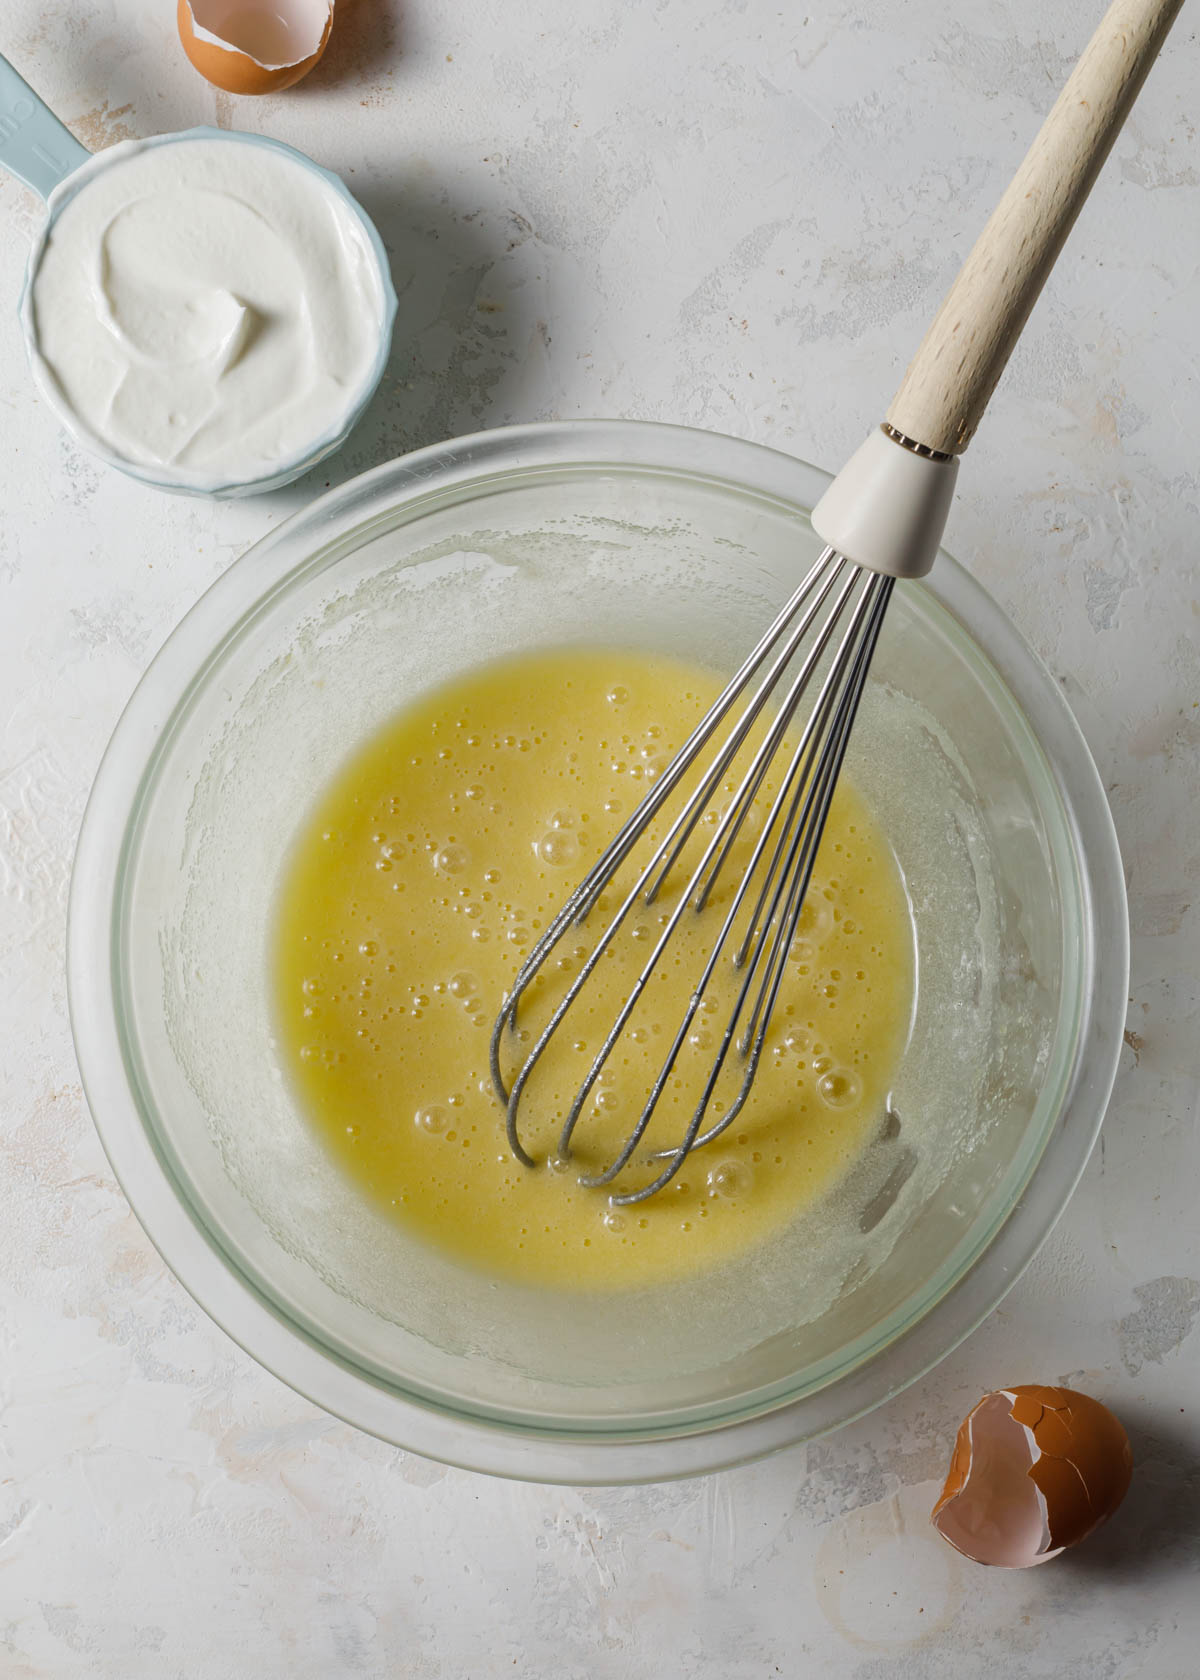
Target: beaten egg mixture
(422,878)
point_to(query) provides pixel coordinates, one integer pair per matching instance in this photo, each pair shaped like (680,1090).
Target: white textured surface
(725,213)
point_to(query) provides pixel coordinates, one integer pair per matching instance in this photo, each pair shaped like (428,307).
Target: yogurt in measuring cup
(210,312)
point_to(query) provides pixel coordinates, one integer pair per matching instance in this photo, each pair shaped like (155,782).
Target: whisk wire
(810,743)
(575,908)
(810,825)
(793,828)
(806,840)
(628,836)
(682,830)
(751,781)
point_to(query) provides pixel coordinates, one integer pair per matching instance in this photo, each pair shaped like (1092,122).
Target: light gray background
(732,214)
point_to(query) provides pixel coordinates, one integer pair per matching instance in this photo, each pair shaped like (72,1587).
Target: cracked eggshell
(254,46)
(1034,1470)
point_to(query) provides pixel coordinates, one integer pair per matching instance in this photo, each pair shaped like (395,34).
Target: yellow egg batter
(426,872)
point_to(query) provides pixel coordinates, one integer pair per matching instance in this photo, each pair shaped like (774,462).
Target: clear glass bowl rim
(500,1445)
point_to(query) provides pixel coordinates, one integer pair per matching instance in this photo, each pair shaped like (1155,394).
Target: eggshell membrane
(1034,1470)
(237,71)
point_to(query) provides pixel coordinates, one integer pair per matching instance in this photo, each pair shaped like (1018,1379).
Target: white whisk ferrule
(887,508)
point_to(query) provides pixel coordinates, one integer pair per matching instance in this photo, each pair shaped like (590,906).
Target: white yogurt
(207,311)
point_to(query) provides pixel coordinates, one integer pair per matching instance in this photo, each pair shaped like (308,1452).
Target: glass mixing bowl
(644,536)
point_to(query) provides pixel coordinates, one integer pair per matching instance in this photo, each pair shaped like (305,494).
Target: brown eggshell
(1034,1470)
(1086,1464)
(238,72)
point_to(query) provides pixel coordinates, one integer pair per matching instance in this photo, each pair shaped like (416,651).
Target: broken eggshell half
(1034,1470)
(254,46)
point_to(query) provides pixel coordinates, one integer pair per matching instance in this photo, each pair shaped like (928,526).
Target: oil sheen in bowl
(422,879)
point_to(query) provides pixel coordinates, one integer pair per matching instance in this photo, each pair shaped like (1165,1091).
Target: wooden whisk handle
(953,374)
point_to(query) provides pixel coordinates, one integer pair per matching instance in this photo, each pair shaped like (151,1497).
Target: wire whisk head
(688,877)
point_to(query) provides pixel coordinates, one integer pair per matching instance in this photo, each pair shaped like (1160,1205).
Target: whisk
(799,688)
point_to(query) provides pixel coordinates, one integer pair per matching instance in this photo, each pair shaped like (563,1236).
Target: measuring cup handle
(34,145)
